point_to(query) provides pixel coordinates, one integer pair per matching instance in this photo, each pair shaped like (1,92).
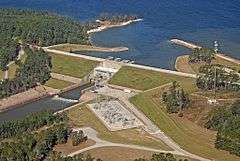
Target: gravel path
(92,134)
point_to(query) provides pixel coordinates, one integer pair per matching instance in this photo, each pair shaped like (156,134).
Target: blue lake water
(193,20)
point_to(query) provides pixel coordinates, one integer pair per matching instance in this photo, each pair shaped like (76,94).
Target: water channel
(48,103)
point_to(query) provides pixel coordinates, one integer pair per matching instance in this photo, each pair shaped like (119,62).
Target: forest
(40,28)
(35,70)
(33,138)
(227,124)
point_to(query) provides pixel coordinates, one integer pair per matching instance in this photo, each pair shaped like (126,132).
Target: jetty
(191,45)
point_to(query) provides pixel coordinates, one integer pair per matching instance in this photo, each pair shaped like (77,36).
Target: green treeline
(40,28)
(34,137)
(227,123)
(113,19)
(162,157)
(29,123)
(217,77)
(35,70)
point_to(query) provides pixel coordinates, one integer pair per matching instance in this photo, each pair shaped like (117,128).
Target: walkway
(92,134)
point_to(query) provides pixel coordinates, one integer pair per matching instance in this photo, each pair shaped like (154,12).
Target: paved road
(92,134)
(149,126)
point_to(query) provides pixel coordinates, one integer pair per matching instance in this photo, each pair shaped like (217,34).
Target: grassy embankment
(186,133)
(57,84)
(72,66)
(182,64)
(82,117)
(77,48)
(142,79)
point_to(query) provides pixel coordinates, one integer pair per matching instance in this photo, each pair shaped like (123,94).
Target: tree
(175,98)
(78,137)
(201,54)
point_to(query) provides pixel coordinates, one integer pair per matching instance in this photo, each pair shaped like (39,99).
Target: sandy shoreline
(104,27)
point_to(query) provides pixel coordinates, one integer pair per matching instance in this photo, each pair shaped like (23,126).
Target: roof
(104,69)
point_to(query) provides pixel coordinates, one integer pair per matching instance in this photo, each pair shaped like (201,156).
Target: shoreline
(191,45)
(104,27)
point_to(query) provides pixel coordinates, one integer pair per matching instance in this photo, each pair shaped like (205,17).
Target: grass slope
(186,133)
(142,79)
(57,84)
(72,66)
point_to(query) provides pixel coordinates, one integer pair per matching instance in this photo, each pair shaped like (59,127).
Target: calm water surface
(193,20)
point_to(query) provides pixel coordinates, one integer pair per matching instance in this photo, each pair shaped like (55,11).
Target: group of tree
(40,28)
(217,77)
(35,70)
(35,146)
(28,141)
(55,156)
(162,157)
(9,51)
(226,121)
(175,98)
(114,19)
(201,55)
(78,137)
(29,123)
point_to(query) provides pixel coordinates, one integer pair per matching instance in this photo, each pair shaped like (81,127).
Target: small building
(104,72)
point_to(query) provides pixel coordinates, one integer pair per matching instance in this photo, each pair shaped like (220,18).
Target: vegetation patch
(186,133)
(34,137)
(57,84)
(143,79)
(72,66)
(35,70)
(40,28)
(227,122)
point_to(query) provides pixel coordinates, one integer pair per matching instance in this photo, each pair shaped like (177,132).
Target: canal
(65,100)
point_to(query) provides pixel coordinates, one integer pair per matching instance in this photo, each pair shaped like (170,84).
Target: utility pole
(216,47)
(215,82)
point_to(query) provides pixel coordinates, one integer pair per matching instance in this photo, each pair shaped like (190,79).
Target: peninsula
(107,21)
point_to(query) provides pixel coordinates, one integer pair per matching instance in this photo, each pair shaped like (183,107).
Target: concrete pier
(194,46)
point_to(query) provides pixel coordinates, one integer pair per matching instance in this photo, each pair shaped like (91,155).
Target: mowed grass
(57,84)
(82,117)
(142,79)
(187,134)
(72,66)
